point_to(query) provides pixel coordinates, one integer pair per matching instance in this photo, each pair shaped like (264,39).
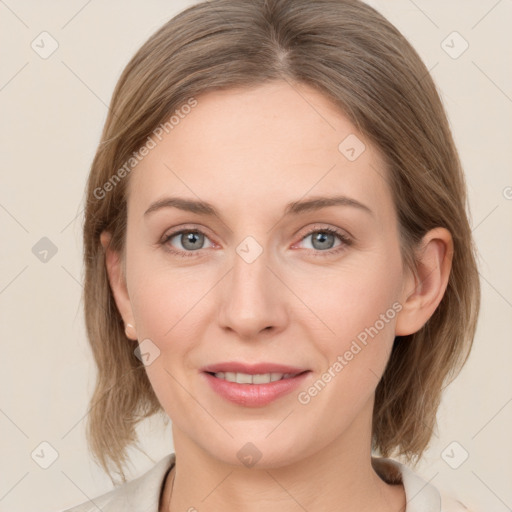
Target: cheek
(358,307)
(167,305)
(354,298)
(164,298)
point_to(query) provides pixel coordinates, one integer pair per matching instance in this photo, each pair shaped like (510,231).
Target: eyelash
(346,242)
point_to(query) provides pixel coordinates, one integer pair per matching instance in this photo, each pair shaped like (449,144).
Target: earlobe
(423,293)
(130,332)
(118,286)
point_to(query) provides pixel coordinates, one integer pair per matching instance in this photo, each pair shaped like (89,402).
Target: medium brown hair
(352,55)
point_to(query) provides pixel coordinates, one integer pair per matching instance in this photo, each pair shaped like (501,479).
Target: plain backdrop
(52,111)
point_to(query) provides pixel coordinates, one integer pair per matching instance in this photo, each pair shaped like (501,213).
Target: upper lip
(252,369)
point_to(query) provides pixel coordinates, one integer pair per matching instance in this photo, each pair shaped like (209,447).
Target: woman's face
(260,281)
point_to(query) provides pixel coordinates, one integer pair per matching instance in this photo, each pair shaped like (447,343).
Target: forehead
(261,147)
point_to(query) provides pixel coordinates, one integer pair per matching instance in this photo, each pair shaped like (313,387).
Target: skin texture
(249,153)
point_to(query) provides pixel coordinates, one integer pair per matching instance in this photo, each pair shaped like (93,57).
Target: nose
(254,299)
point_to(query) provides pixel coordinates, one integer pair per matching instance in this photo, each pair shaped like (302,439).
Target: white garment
(143,494)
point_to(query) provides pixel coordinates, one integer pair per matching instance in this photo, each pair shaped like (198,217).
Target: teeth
(243,378)
(246,378)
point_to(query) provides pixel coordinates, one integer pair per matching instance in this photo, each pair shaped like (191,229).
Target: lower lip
(254,395)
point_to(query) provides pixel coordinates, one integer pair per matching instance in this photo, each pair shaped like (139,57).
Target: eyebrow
(293,208)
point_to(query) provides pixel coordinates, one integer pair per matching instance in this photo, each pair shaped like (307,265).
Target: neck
(339,477)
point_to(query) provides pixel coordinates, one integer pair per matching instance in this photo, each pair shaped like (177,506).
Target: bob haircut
(352,55)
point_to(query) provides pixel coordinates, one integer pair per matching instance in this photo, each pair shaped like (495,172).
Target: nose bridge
(252,300)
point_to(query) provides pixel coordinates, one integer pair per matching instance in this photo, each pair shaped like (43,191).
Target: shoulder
(420,494)
(142,493)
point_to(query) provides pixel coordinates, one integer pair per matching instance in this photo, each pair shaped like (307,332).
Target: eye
(190,240)
(323,240)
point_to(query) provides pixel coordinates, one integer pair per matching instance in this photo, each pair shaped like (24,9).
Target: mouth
(257,378)
(253,385)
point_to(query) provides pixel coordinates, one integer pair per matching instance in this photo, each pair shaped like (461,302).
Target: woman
(278,257)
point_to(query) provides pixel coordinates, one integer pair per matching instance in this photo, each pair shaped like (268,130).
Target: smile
(247,378)
(254,390)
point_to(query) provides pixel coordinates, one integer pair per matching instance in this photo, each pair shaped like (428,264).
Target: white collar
(143,493)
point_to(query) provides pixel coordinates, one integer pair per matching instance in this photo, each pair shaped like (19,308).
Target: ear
(423,293)
(117,282)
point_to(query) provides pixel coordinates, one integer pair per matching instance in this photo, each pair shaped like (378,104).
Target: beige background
(52,112)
